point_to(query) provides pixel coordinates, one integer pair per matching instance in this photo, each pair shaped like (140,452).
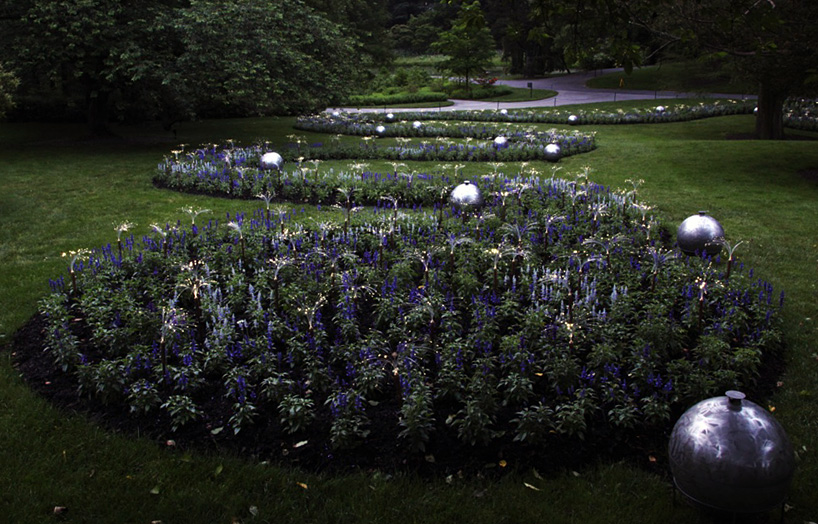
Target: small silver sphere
(730,454)
(698,233)
(660,109)
(501,141)
(380,130)
(466,196)
(553,152)
(271,160)
(336,114)
(390,117)
(416,124)
(504,111)
(573,119)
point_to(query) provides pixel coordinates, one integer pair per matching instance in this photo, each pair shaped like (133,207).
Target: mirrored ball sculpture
(700,234)
(553,152)
(501,141)
(380,130)
(729,454)
(573,119)
(466,196)
(416,124)
(270,161)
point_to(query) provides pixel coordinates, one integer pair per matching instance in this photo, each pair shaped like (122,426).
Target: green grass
(57,194)
(689,76)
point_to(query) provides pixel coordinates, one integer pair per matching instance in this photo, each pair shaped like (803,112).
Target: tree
(468,45)
(177,59)
(8,84)
(249,57)
(770,42)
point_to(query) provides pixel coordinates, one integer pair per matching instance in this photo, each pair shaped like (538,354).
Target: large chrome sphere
(380,130)
(390,117)
(501,141)
(660,109)
(553,152)
(417,124)
(504,111)
(573,119)
(271,161)
(730,454)
(466,196)
(697,234)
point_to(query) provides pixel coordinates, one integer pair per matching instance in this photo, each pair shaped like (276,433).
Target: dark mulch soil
(310,450)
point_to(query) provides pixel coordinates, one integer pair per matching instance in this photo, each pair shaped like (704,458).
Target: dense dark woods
(176,60)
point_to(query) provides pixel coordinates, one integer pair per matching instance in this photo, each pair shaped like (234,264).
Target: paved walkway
(571,89)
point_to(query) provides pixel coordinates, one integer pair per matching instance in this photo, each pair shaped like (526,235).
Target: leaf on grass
(216,431)
(254,511)
(537,475)
(218,470)
(303,485)
(300,444)
(155,490)
(529,486)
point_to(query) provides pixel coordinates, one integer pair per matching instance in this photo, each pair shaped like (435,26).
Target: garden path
(571,89)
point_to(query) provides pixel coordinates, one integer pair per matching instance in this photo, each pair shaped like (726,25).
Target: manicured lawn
(58,194)
(690,76)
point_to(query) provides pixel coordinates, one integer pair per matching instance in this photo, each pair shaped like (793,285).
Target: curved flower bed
(559,310)
(350,122)
(235,172)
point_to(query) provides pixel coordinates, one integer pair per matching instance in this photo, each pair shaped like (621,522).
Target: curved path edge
(571,89)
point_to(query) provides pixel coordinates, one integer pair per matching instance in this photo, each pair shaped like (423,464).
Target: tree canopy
(173,59)
(468,45)
(771,43)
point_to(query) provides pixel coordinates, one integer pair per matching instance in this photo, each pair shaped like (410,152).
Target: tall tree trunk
(770,115)
(98,113)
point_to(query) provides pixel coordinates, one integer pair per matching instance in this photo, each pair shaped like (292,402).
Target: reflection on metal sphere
(698,234)
(466,196)
(730,454)
(271,161)
(336,114)
(573,119)
(501,141)
(380,130)
(390,117)
(416,124)
(553,152)
(660,109)
(504,111)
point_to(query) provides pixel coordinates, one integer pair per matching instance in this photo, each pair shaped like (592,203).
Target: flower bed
(235,172)
(556,115)
(560,310)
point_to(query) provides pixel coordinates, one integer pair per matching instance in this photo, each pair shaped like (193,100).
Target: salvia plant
(559,309)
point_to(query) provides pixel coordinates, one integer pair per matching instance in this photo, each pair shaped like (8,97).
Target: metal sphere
(730,454)
(416,124)
(660,109)
(504,111)
(501,141)
(390,117)
(698,233)
(553,152)
(336,114)
(466,196)
(380,130)
(271,160)
(573,119)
